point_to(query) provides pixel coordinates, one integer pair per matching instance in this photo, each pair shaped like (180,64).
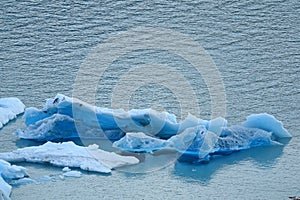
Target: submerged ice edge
(63,117)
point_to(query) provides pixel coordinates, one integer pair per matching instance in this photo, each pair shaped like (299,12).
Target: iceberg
(68,154)
(8,174)
(64,117)
(197,144)
(143,130)
(9,109)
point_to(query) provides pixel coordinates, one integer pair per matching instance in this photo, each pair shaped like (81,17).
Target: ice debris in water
(68,154)
(9,109)
(8,174)
(66,169)
(73,173)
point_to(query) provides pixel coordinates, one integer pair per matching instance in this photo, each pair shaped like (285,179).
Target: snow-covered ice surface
(9,109)
(68,154)
(8,174)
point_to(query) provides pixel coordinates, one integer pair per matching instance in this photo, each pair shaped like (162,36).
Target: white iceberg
(9,173)
(68,154)
(9,109)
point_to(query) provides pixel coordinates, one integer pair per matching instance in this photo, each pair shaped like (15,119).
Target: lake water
(255,46)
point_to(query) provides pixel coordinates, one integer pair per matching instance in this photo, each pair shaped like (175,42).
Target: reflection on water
(262,157)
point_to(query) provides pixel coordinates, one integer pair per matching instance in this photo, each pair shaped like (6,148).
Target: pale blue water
(254,45)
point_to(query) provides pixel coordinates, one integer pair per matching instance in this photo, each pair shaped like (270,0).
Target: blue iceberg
(198,144)
(147,130)
(9,109)
(64,117)
(234,138)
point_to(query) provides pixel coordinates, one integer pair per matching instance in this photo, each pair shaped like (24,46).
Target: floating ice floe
(9,109)
(8,174)
(68,154)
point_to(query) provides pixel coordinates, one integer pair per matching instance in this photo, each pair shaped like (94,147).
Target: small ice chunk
(76,174)
(66,169)
(45,179)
